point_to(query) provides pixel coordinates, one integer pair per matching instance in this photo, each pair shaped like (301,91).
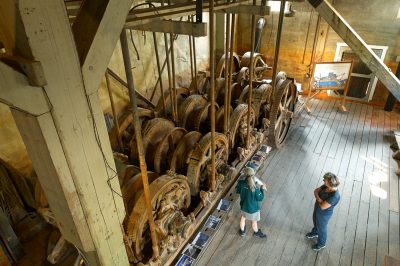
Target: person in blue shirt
(326,198)
(250,201)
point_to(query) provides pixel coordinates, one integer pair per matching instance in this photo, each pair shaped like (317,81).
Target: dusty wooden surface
(365,225)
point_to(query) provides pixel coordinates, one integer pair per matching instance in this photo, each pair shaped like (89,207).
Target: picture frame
(333,76)
(201,240)
(212,222)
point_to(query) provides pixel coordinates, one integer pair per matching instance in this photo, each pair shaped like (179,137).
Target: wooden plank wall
(365,225)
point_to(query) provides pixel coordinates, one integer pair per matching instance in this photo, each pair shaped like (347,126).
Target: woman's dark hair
(332,179)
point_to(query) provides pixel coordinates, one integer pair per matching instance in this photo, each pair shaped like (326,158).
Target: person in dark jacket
(250,199)
(326,198)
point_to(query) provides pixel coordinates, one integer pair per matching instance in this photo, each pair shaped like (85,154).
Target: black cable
(134,46)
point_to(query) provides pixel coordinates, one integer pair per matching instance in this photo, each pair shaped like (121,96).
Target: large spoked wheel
(281,112)
(170,195)
(200,158)
(238,125)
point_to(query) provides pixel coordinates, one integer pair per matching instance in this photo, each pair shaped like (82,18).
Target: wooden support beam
(86,25)
(248,9)
(358,45)
(96,31)
(44,146)
(175,27)
(140,16)
(69,145)
(21,96)
(123,83)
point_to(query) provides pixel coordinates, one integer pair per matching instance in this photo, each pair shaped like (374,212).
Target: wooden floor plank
(337,128)
(382,156)
(372,227)
(314,122)
(329,130)
(393,178)
(394,235)
(300,121)
(340,139)
(315,132)
(351,223)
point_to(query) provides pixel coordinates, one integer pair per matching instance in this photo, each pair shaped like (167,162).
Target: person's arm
(324,205)
(259,194)
(238,187)
(316,194)
(260,183)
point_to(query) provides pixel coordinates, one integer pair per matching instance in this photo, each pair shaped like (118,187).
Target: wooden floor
(365,225)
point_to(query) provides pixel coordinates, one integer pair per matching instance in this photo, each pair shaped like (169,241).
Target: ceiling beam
(175,27)
(248,9)
(96,30)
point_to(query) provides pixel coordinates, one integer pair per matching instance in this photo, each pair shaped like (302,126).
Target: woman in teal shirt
(250,199)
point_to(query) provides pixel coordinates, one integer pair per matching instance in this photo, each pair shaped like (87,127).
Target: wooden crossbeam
(176,27)
(248,9)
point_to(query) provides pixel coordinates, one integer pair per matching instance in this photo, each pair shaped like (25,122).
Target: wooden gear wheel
(261,100)
(202,119)
(281,115)
(125,119)
(170,195)
(220,69)
(188,108)
(181,95)
(153,132)
(180,156)
(166,147)
(203,82)
(219,118)
(243,75)
(236,90)
(238,122)
(131,189)
(258,63)
(200,158)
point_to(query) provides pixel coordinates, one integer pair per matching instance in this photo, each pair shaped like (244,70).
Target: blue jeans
(320,221)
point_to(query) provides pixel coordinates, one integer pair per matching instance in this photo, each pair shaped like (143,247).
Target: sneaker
(259,234)
(242,232)
(317,247)
(311,235)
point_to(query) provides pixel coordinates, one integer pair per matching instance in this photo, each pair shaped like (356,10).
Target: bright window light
(276,5)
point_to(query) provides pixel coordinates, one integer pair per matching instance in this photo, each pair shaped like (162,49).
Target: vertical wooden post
(250,96)
(232,40)
(138,136)
(227,73)
(173,96)
(69,145)
(212,93)
(159,73)
(277,45)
